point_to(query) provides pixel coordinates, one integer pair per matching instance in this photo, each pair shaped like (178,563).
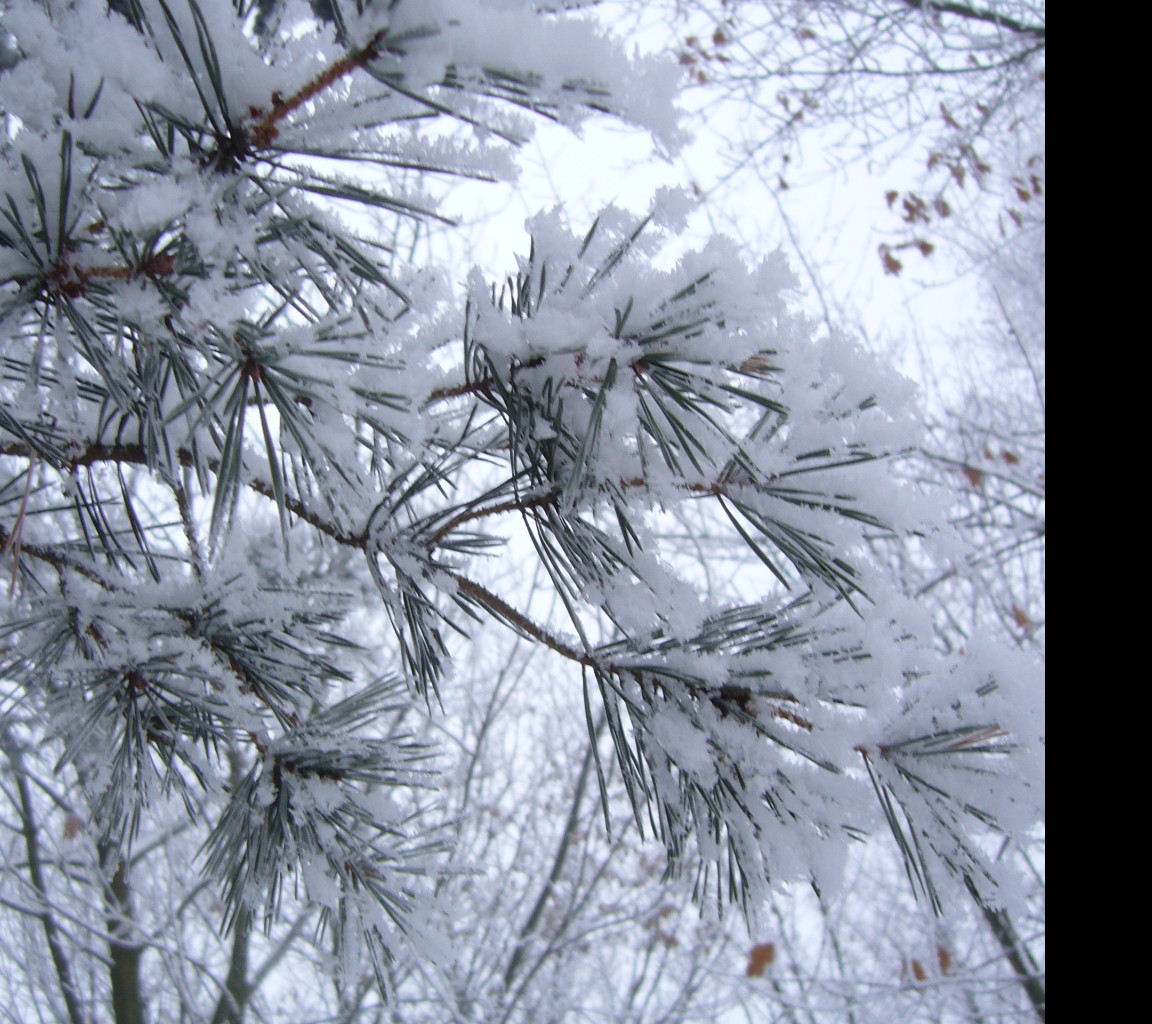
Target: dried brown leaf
(975,477)
(943,958)
(760,958)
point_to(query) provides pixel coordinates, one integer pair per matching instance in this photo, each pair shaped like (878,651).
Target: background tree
(940,104)
(198,340)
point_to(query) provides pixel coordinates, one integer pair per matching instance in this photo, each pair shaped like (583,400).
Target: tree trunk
(124,970)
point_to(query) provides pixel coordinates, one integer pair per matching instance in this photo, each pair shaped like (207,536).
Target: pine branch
(263,124)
